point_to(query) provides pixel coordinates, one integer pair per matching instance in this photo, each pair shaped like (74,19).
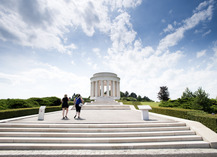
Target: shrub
(47,101)
(28,103)
(201,101)
(17,103)
(124,98)
(52,101)
(32,102)
(3,104)
(213,109)
(40,101)
(71,103)
(131,99)
(86,99)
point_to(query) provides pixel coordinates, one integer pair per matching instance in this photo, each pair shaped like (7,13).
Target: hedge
(28,103)
(12,113)
(208,120)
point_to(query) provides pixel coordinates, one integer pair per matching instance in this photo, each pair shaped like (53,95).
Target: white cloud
(43,24)
(206,33)
(215,48)
(92,64)
(41,82)
(143,69)
(197,31)
(115,4)
(97,52)
(201,6)
(173,38)
(122,35)
(189,23)
(163,20)
(201,53)
(169,28)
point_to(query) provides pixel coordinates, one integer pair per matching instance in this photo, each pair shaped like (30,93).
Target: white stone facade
(104,85)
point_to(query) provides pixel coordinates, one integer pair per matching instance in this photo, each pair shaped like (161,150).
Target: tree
(139,98)
(126,94)
(133,95)
(145,98)
(73,96)
(201,101)
(187,94)
(163,93)
(122,94)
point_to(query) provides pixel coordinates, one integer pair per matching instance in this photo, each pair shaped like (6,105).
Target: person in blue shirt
(77,101)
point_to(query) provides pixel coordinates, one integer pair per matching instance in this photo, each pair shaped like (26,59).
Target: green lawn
(152,104)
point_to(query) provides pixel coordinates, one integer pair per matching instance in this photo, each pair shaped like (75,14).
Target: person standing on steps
(77,101)
(65,106)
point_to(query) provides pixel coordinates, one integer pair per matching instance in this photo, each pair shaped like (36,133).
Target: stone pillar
(96,87)
(113,84)
(118,90)
(91,89)
(99,93)
(107,88)
(102,88)
(115,88)
(111,89)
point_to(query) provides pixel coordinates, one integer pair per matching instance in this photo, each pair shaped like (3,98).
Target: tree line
(133,97)
(198,100)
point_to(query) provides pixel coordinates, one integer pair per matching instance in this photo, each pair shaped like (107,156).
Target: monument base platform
(104,101)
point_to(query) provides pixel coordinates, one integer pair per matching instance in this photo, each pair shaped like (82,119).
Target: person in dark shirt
(65,106)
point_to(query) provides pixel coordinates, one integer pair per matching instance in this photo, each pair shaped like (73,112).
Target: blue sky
(49,48)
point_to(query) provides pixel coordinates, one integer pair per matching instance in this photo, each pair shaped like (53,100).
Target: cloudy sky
(49,48)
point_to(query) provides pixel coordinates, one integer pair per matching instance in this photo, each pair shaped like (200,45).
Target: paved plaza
(93,116)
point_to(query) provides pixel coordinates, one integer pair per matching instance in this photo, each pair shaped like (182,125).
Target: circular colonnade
(105,85)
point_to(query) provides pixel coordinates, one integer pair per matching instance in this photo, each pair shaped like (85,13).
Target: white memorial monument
(105,85)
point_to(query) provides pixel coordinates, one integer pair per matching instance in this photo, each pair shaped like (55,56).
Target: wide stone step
(115,134)
(58,146)
(88,130)
(98,140)
(109,106)
(133,125)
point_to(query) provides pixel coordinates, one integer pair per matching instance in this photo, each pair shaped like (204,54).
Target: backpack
(78,101)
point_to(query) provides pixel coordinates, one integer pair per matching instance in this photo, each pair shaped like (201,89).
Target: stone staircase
(106,107)
(104,101)
(129,135)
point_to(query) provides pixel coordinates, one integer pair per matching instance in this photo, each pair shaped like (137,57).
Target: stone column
(96,87)
(113,86)
(99,93)
(118,90)
(102,88)
(91,89)
(107,88)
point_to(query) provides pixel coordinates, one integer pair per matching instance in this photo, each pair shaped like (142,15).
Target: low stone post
(144,109)
(41,113)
